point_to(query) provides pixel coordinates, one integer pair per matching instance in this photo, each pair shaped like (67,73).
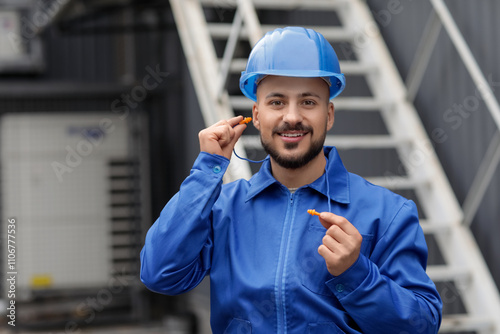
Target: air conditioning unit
(71,184)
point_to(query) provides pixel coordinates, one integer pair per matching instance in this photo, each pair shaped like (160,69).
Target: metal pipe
(423,55)
(482,180)
(62,89)
(229,51)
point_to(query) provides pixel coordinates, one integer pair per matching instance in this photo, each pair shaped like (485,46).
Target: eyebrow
(275,94)
(305,94)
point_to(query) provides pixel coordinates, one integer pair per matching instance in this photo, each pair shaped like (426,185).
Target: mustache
(287,127)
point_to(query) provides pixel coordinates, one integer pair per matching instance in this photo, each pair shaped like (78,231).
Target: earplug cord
(249,160)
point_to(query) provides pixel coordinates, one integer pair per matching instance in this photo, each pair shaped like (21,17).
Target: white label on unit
(11,39)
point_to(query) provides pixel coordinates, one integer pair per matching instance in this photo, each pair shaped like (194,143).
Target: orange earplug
(313,212)
(246,120)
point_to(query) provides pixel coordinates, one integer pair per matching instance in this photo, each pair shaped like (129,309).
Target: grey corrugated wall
(448,100)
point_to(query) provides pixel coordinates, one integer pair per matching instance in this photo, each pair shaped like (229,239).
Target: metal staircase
(216,37)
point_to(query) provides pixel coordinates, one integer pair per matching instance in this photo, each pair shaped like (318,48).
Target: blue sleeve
(390,292)
(177,252)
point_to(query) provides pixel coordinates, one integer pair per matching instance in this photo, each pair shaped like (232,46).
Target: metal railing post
(491,160)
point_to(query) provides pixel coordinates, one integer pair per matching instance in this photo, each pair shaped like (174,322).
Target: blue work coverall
(260,247)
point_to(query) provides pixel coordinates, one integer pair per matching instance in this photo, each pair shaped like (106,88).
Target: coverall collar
(338,179)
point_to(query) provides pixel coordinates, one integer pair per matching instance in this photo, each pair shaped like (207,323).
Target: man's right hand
(221,137)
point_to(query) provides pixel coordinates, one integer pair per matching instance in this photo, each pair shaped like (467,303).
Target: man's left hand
(341,243)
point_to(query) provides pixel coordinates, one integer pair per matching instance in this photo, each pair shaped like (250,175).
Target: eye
(309,102)
(276,103)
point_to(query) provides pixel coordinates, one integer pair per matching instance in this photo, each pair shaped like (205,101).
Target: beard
(294,162)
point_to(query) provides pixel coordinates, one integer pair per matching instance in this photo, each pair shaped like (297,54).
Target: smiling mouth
(292,134)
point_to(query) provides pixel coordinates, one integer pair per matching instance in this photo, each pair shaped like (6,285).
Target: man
(357,268)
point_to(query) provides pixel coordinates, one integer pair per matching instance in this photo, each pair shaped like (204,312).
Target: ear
(255,116)
(331,115)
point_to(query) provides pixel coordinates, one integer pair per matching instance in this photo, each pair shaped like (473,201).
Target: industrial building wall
(124,63)
(449,102)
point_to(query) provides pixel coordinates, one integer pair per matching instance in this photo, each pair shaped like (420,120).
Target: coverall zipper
(281,274)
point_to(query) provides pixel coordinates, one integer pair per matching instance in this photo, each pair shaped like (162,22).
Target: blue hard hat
(292,52)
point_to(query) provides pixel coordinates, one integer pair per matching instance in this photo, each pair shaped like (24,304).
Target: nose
(292,114)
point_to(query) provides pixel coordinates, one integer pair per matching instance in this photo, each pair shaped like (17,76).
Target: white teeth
(292,134)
